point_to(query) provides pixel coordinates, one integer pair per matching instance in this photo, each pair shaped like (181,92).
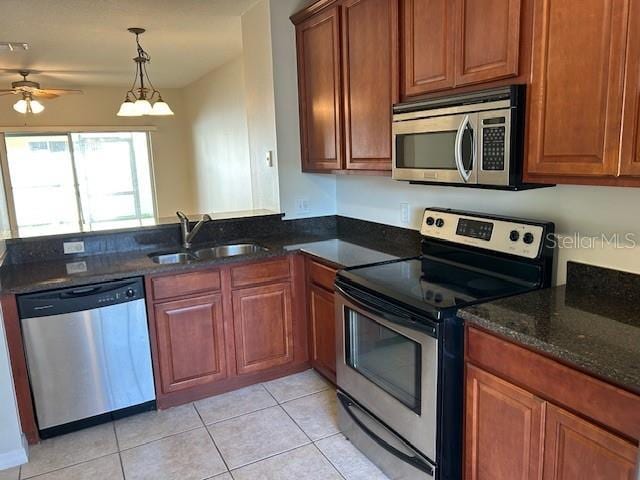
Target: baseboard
(15,457)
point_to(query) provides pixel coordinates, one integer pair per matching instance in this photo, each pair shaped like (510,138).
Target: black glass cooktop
(433,286)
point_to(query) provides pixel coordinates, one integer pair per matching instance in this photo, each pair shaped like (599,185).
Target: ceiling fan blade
(44,94)
(8,92)
(57,91)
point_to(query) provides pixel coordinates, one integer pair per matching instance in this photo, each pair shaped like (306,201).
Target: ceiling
(86,43)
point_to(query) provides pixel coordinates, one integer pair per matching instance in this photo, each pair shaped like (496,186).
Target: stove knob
(431,221)
(439,223)
(514,236)
(438,297)
(528,238)
(130,293)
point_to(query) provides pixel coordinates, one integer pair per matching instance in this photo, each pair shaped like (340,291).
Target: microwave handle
(458,149)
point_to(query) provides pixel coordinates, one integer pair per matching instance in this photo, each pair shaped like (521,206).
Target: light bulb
(20,106)
(128,109)
(161,108)
(36,106)
(143,107)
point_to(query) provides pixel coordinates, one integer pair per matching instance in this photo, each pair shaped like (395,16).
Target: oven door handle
(398,318)
(416,461)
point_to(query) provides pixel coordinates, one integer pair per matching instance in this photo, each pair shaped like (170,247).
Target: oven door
(439,149)
(388,363)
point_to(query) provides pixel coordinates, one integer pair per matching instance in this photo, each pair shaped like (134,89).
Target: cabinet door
(503,429)
(575,99)
(631,120)
(370,81)
(318,44)
(263,327)
(191,346)
(576,449)
(427,45)
(484,54)
(322,317)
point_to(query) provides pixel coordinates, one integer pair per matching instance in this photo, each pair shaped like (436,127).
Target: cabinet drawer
(185,284)
(256,273)
(321,275)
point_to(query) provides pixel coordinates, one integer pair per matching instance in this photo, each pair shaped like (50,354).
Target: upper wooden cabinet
(484,54)
(452,43)
(428,33)
(347,83)
(575,98)
(370,81)
(319,90)
(630,165)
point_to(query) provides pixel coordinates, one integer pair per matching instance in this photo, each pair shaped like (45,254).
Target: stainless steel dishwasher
(88,354)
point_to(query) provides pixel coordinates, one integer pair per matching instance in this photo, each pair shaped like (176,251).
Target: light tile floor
(285,429)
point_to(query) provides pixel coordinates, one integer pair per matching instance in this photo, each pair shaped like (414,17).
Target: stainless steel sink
(173,258)
(229,251)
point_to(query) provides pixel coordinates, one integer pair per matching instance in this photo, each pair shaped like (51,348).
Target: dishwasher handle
(77,299)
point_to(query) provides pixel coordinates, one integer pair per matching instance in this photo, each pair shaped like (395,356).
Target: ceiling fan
(30,92)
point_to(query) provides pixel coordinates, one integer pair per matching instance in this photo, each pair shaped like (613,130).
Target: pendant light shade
(36,106)
(127,109)
(142,98)
(161,108)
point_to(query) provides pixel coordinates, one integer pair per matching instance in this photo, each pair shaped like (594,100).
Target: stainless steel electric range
(400,342)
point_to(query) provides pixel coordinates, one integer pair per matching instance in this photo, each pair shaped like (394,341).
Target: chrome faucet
(189,234)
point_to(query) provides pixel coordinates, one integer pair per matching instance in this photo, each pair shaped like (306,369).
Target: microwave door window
(385,357)
(428,151)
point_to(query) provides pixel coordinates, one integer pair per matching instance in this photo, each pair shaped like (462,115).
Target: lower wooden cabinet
(215,330)
(503,429)
(576,449)
(513,433)
(191,345)
(321,317)
(322,324)
(263,327)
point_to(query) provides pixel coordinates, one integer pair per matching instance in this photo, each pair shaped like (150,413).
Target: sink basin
(173,258)
(229,251)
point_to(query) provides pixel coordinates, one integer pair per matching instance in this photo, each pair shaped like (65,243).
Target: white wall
(12,447)
(217,116)
(258,69)
(584,210)
(318,189)
(98,107)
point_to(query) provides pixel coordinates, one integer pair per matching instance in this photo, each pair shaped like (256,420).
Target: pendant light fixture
(28,105)
(137,101)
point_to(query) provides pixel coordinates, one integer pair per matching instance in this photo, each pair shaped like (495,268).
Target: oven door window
(385,357)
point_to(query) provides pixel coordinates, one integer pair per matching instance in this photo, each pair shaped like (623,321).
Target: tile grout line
(69,466)
(271,456)
(335,467)
(115,433)
(215,445)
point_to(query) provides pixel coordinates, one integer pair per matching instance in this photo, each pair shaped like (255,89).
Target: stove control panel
(496,234)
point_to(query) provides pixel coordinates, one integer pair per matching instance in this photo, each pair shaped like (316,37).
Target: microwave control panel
(493,143)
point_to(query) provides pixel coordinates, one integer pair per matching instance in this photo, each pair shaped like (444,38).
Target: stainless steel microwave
(473,139)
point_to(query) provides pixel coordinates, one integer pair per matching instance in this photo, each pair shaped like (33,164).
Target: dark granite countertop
(592,323)
(341,250)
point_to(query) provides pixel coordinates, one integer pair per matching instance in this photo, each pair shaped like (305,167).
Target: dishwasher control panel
(76,299)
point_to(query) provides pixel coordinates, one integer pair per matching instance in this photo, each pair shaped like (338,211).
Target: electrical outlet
(404,213)
(73,247)
(302,205)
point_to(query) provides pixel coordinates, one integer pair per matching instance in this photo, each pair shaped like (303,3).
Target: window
(62,183)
